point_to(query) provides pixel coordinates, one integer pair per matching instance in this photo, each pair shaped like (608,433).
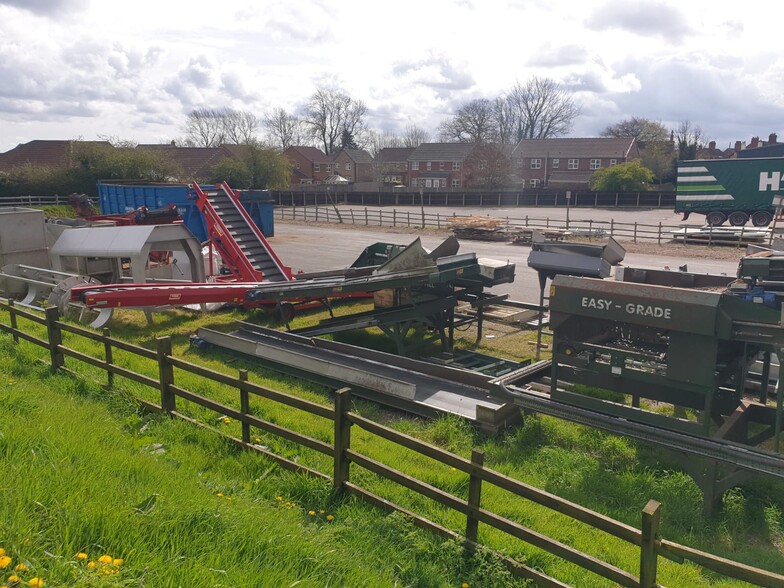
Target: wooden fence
(343,456)
(512,228)
(28,201)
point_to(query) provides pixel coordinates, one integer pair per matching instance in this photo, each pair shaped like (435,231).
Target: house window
(429,165)
(613,162)
(442,165)
(296,165)
(519,162)
(455,183)
(316,167)
(348,166)
(456,165)
(573,164)
(414,165)
(536,163)
(534,183)
(596,163)
(428,183)
(556,163)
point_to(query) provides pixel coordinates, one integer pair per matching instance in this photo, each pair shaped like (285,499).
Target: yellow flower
(219,494)
(330,518)
(81,556)
(2,551)
(226,420)
(4,561)
(91,564)
(105,559)
(118,561)
(20,567)
(278,498)
(37,582)
(311,512)
(322,511)
(464,585)
(257,440)
(13,579)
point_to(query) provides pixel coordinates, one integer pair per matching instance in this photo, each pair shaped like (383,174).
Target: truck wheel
(761,218)
(715,218)
(738,218)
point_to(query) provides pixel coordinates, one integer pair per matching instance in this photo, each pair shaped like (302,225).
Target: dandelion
(464,585)
(322,511)
(279,498)
(13,579)
(37,582)
(20,567)
(257,439)
(454,469)
(91,564)
(118,561)
(5,561)
(312,513)
(2,551)
(330,518)
(105,559)
(226,420)
(81,556)
(219,494)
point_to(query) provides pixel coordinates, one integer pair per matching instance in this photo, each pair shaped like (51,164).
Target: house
(311,165)
(438,165)
(391,166)
(192,163)
(356,165)
(44,153)
(568,163)
(757,148)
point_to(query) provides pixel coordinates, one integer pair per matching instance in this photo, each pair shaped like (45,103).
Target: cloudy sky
(133,70)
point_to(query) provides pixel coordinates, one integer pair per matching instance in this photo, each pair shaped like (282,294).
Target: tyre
(761,218)
(715,218)
(738,218)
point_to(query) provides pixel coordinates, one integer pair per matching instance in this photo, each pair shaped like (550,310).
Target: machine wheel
(761,218)
(738,218)
(715,218)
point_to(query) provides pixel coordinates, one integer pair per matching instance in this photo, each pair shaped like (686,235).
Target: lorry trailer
(734,190)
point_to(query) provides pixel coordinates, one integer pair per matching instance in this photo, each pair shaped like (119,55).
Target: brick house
(356,165)
(438,165)
(43,153)
(391,166)
(310,165)
(568,163)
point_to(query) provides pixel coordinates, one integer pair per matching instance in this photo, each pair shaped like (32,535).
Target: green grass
(85,470)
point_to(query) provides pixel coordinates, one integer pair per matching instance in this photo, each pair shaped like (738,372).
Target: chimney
(738,146)
(773,138)
(712,145)
(754,142)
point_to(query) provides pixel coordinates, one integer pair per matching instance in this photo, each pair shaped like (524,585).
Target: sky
(132,71)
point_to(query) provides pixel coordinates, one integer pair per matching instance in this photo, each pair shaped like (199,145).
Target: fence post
(165,374)
(438,219)
(612,225)
(658,237)
(474,496)
(635,231)
(651,515)
(244,407)
(394,217)
(342,439)
(107,354)
(55,336)
(366,217)
(12,316)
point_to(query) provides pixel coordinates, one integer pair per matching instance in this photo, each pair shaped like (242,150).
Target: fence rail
(344,456)
(512,228)
(27,201)
(458,198)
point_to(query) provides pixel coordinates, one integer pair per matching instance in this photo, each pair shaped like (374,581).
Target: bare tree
(240,126)
(414,136)
(689,139)
(205,127)
(642,129)
(473,123)
(544,109)
(330,113)
(284,129)
(505,120)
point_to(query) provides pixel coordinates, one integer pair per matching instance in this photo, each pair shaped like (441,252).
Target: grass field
(151,501)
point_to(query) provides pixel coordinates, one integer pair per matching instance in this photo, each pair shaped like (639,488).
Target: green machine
(692,348)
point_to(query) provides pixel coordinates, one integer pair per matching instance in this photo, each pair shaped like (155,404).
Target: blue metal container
(119,198)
